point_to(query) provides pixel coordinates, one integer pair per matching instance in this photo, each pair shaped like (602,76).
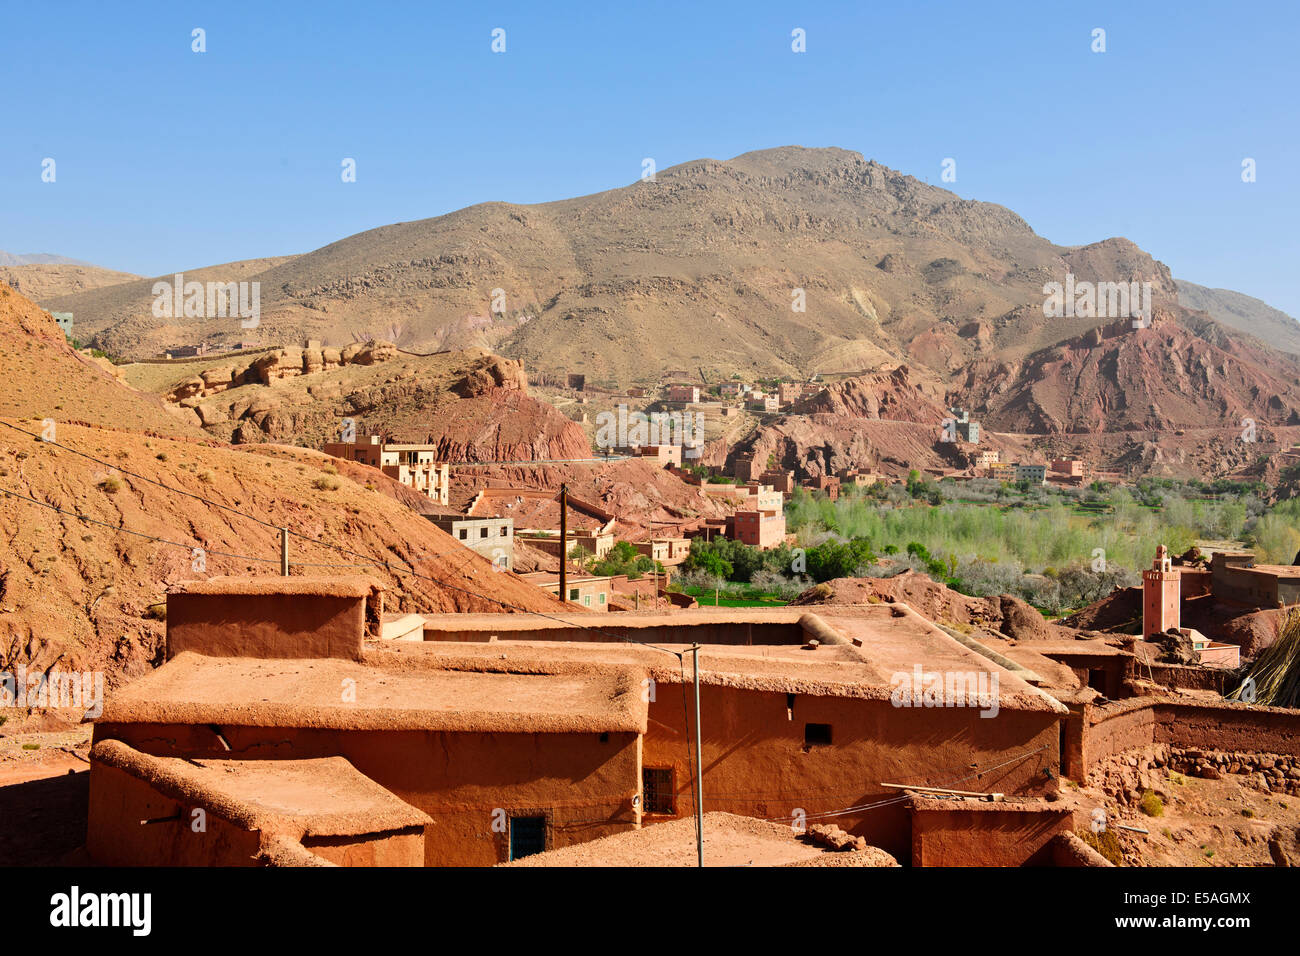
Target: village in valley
(557,472)
(663,547)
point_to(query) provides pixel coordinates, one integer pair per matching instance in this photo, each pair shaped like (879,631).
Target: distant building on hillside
(828,484)
(967,430)
(763,529)
(1034,474)
(494,538)
(412,465)
(65,322)
(590,591)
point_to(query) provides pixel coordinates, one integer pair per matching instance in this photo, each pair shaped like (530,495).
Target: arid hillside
(889,422)
(1244,313)
(44,378)
(100,518)
(49,281)
(785,261)
(82,592)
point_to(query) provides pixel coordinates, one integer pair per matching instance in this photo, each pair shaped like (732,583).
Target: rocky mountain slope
(40,282)
(44,378)
(697,270)
(80,586)
(1243,313)
(1118,378)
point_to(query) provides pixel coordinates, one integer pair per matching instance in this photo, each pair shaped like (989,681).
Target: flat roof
(389,691)
(881,641)
(729,840)
(324,796)
(1274,570)
(1085,648)
(311,586)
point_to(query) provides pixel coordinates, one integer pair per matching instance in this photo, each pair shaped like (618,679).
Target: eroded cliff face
(1118,378)
(473,406)
(886,421)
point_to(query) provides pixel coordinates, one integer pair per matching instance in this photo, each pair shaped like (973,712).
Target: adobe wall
(270,625)
(404,847)
(1140,722)
(114,836)
(986,834)
(755,763)
(1227,727)
(1110,730)
(1194,582)
(1188,677)
(584,786)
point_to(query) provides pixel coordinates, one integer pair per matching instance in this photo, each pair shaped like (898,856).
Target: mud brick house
(827,484)
(536,519)
(1071,467)
(413,465)
(502,735)
(499,736)
(1237,579)
(779,480)
(664,454)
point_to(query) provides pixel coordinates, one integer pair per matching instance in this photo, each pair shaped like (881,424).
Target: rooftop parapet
(274,617)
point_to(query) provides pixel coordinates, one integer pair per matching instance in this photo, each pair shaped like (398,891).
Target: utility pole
(699,763)
(564,543)
(284,552)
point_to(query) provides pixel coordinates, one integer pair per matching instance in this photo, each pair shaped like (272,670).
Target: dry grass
(1274,679)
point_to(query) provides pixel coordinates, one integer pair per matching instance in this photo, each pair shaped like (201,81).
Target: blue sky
(169,159)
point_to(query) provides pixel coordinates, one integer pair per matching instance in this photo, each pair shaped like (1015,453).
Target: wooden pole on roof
(564,542)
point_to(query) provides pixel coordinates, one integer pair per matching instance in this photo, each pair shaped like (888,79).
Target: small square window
(504,529)
(464,533)
(482,532)
(657,790)
(527,836)
(816,735)
(573,594)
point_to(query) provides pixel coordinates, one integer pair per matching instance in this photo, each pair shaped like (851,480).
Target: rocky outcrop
(497,373)
(281,363)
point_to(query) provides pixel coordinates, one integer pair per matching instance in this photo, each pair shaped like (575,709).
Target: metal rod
(699,764)
(564,543)
(284,552)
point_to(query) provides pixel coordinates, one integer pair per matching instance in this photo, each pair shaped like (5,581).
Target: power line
(126,530)
(317,541)
(861,808)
